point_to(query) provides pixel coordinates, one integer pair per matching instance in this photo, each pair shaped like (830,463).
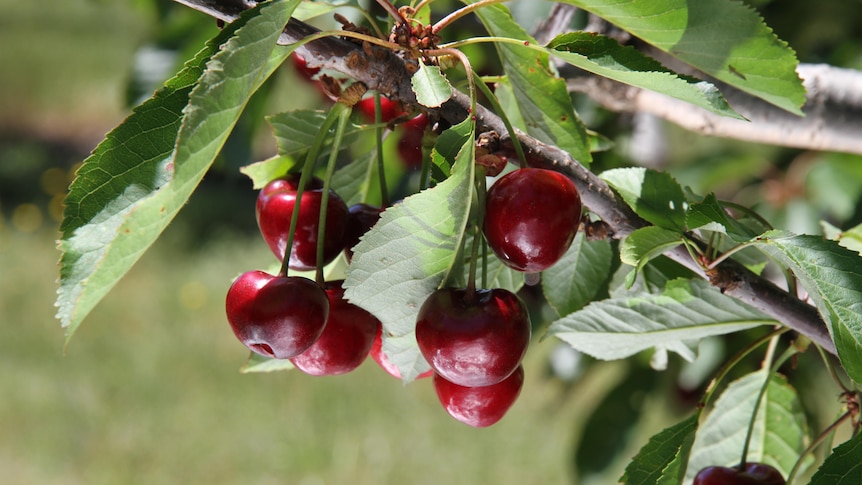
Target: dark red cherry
(410,143)
(388,109)
(754,474)
(362,218)
(345,341)
(276,316)
(383,361)
(275,204)
(475,340)
(531,218)
(479,406)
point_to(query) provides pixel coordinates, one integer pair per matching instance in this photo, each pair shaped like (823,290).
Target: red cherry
(345,341)
(476,341)
(410,143)
(388,109)
(275,204)
(479,406)
(276,316)
(531,218)
(302,68)
(381,359)
(362,218)
(754,474)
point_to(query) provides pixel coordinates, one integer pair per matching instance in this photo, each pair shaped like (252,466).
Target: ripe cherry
(361,219)
(479,406)
(276,316)
(475,340)
(388,109)
(754,474)
(275,204)
(383,361)
(345,341)
(410,143)
(531,218)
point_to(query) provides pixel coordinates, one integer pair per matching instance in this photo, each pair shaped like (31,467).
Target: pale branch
(386,72)
(832,122)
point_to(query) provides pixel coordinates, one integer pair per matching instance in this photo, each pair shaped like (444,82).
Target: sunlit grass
(148,391)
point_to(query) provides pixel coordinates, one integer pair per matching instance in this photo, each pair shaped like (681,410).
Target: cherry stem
(471,275)
(790,352)
(445,21)
(343,113)
(481,196)
(392,11)
(471,82)
(816,442)
(307,169)
(421,5)
(378,133)
(495,105)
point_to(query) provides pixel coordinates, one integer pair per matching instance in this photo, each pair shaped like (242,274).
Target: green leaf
(850,239)
(409,253)
(576,279)
(644,244)
(725,39)
(143,173)
(606,57)
(430,86)
(832,274)
(261,173)
(543,98)
(658,462)
(353,181)
(779,434)
(674,321)
(258,363)
(843,466)
(296,130)
(710,215)
(653,195)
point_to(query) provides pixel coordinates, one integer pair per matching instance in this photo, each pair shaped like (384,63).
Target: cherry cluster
(475,340)
(292,317)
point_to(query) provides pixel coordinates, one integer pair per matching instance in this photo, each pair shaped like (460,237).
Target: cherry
(479,406)
(754,474)
(388,109)
(275,204)
(473,340)
(361,219)
(531,218)
(276,316)
(410,143)
(345,341)
(381,359)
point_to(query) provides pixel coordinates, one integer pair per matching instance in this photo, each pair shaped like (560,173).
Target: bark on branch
(384,71)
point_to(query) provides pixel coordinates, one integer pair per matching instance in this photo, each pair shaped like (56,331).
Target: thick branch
(832,122)
(386,72)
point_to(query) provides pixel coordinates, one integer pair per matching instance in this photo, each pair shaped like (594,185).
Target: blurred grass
(148,391)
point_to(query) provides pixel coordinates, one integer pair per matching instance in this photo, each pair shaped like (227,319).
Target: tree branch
(832,122)
(384,71)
